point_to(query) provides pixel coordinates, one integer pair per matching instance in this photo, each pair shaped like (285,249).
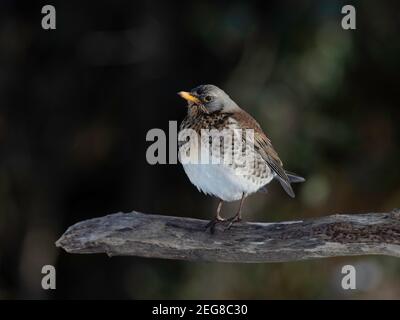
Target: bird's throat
(195,110)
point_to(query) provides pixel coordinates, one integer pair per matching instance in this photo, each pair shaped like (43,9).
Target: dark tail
(294,178)
(285,183)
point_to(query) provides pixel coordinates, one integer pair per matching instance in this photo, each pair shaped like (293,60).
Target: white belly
(219,179)
(223,181)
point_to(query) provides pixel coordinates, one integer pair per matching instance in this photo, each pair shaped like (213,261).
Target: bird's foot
(211,225)
(232,220)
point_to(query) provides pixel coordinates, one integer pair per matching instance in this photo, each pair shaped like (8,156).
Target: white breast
(221,180)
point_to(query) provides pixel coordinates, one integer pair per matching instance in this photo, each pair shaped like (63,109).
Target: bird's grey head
(209,97)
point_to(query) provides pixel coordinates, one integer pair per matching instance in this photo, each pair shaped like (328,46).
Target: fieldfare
(210,109)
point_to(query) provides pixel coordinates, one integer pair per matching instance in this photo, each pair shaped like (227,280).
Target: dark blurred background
(76,104)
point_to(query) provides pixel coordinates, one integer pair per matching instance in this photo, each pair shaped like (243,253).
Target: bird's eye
(208,98)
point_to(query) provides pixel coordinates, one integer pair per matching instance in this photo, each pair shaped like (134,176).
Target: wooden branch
(156,236)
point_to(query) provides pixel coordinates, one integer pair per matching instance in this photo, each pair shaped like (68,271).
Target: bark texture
(158,236)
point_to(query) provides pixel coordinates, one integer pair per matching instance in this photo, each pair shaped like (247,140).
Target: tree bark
(157,236)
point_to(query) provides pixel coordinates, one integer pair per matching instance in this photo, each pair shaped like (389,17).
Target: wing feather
(264,147)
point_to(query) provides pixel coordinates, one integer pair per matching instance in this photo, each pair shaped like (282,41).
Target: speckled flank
(223,176)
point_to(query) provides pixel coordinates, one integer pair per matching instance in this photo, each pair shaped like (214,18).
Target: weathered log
(158,236)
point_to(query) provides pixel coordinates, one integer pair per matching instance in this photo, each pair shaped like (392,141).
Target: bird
(210,108)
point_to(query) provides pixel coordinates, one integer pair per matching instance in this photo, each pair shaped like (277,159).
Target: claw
(211,225)
(232,221)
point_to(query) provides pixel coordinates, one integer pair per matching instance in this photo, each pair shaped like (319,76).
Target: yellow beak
(187,96)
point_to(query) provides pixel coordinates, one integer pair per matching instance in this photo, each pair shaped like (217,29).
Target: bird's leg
(217,218)
(238,216)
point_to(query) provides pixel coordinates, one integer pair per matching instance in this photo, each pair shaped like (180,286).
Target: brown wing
(264,147)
